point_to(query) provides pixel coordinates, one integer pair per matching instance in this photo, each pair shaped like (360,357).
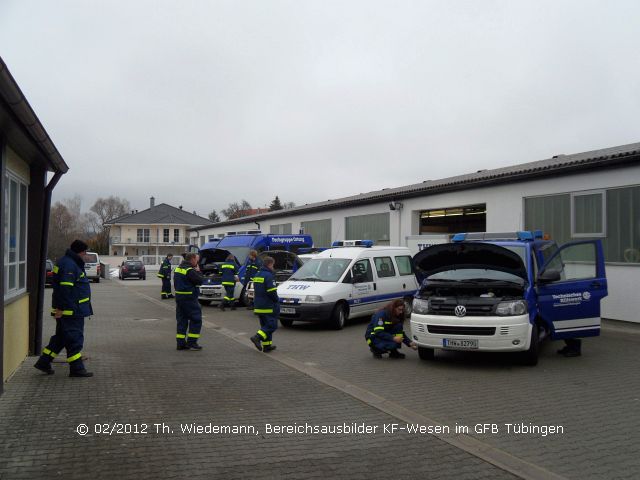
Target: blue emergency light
(353,243)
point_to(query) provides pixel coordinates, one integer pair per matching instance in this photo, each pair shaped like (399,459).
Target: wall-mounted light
(395,206)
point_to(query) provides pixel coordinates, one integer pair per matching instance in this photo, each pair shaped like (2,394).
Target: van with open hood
(213,254)
(506,292)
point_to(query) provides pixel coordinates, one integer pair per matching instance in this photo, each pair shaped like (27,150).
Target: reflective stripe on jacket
(71,288)
(266,299)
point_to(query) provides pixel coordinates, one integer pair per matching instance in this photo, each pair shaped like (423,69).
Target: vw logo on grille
(460,311)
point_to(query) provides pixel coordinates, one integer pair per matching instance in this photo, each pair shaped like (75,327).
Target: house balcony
(148,242)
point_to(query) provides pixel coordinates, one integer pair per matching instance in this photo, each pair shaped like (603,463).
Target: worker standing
(186,279)
(165,275)
(229,278)
(266,306)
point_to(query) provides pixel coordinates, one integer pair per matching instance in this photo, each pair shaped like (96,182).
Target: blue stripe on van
(378,298)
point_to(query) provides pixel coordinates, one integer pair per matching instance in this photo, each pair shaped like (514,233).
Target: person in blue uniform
(229,277)
(186,279)
(385,333)
(165,275)
(266,305)
(252,266)
(71,303)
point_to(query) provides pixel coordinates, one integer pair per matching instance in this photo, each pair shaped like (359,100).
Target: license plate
(287,310)
(460,343)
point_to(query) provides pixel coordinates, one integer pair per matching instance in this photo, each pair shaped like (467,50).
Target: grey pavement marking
(473,446)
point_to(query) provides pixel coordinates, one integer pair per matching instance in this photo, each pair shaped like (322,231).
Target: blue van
(506,292)
(212,254)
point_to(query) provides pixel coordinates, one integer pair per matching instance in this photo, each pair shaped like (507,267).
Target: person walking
(165,275)
(251,267)
(71,303)
(266,306)
(385,332)
(229,277)
(186,279)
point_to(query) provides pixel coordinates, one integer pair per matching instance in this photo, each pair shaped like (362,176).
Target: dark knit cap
(78,246)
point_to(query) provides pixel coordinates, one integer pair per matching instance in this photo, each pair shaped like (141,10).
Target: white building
(586,195)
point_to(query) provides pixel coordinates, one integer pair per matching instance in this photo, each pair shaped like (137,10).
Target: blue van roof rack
(353,243)
(513,236)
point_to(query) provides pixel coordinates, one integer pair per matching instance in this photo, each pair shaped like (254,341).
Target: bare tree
(288,205)
(63,229)
(105,210)
(237,210)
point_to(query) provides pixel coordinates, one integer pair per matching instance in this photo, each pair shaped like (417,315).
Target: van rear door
(570,286)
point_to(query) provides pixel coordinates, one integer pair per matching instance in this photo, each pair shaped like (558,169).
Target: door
(363,287)
(570,286)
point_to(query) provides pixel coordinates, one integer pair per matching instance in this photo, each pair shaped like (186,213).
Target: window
(613,215)
(404,265)
(384,267)
(368,227)
(15,232)
(281,229)
(362,271)
(320,231)
(143,235)
(176,235)
(165,235)
(587,214)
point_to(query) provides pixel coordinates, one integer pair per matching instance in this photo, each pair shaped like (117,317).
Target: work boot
(221,307)
(171,295)
(182,347)
(257,341)
(376,352)
(80,373)
(194,346)
(396,354)
(44,366)
(268,348)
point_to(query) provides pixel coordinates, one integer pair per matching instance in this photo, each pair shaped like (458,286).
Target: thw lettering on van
(298,287)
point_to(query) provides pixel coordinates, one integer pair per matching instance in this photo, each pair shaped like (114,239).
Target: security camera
(392,206)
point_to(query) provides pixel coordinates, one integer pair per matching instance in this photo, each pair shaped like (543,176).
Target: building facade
(570,197)
(28,159)
(153,233)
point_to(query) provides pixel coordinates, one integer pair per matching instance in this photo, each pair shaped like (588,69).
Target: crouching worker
(385,332)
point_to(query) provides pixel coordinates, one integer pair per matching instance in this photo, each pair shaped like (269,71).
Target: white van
(92,266)
(347,282)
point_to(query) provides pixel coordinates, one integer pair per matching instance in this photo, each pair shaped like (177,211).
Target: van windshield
(90,258)
(322,270)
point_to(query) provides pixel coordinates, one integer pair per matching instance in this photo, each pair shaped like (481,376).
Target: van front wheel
(339,316)
(530,357)
(426,353)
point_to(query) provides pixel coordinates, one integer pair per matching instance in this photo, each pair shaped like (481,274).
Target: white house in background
(156,231)
(586,195)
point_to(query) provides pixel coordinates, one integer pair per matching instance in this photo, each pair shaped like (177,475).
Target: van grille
(450,330)
(472,310)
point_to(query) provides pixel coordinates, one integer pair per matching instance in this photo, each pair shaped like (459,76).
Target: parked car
(48,279)
(132,268)
(92,266)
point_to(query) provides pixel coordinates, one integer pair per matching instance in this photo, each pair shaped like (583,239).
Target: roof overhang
(22,128)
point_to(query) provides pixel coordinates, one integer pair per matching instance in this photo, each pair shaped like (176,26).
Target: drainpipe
(42,260)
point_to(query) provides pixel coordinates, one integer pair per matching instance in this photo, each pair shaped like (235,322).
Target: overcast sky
(202,103)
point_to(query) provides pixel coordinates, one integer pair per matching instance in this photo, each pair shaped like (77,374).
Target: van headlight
(313,299)
(519,307)
(420,306)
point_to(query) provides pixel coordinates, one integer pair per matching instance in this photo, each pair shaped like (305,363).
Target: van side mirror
(548,276)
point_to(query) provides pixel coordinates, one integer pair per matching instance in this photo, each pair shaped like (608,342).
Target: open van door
(570,286)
